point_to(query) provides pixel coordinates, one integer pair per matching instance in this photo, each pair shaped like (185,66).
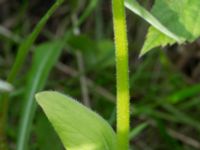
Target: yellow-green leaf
(181,17)
(78,127)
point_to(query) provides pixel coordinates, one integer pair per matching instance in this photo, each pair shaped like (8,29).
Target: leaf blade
(179,16)
(46,55)
(135,7)
(82,129)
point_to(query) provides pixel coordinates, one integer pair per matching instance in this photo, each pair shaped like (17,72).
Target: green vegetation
(75,48)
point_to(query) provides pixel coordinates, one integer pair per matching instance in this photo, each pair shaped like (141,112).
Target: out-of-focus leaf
(137,130)
(106,54)
(100,53)
(88,10)
(78,127)
(87,46)
(45,57)
(182,116)
(183,94)
(28,42)
(82,42)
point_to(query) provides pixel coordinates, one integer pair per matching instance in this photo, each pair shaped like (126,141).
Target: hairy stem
(121,45)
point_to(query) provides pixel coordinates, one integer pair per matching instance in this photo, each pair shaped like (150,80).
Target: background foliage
(164,83)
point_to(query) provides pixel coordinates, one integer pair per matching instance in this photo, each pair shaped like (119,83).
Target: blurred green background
(164,84)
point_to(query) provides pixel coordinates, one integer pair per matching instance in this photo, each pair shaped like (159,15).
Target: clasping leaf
(78,127)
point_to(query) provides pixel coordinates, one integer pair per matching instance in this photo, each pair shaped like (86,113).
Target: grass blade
(20,58)
(91,6)
(45,57)
(183,94)
(25,46)
(137,130)
(182,117)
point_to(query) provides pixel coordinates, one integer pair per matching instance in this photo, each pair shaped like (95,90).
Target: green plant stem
(123,103)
